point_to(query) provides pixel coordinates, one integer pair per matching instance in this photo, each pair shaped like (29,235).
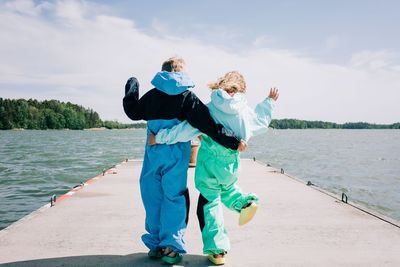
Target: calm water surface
(34,165)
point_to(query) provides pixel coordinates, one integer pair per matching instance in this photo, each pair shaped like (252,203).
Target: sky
(334,61)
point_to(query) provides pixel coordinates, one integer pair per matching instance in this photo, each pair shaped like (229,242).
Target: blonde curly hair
(174,64)
(231,82)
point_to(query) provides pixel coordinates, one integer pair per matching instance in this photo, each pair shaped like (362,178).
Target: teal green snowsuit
(217,167)
(215,177)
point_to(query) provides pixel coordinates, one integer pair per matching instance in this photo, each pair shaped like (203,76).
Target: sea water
(34,165)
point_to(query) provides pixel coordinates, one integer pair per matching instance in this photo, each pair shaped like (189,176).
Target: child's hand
(242,145)
(273,93)
(151,140)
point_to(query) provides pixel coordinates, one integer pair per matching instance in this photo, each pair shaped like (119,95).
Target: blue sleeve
(262,117)
(182,132)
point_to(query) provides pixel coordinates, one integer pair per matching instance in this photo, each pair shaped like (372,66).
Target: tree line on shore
(303,124)
(50,114)
(53,114)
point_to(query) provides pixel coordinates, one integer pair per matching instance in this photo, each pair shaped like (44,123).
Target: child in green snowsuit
(217,167)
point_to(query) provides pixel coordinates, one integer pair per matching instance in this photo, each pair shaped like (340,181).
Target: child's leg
(234,199)
(175,204)
(151,191)
(209,211)
(231,195)
(211,220)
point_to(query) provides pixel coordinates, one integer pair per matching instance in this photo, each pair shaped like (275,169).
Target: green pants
(215,177)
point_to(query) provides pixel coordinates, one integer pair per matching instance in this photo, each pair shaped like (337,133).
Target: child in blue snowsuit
(217,167)
(163,180)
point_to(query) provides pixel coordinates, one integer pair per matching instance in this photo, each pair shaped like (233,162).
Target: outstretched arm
(263,113)
(153,105)
(198,115)
(182,132)
(131,101)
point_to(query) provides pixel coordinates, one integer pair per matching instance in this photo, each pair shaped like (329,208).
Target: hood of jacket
(172,83)
(226,103)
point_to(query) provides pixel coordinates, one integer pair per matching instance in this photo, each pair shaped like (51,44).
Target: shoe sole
(216,261)
(170,260)
(247,214)
(155,254)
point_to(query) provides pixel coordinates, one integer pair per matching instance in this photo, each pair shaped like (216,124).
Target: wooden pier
(100,224)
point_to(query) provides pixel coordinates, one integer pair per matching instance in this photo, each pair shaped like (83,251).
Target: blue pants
(163,186)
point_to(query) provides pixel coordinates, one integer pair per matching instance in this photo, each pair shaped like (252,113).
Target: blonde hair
(232,82)
(173,64)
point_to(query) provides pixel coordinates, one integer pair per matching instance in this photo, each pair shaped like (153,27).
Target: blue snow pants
(163,186)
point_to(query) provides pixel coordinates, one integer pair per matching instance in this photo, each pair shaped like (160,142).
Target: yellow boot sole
(247,213)
(216,261)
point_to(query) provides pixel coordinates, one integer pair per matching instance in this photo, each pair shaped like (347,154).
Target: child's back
(163,181)
(234,113)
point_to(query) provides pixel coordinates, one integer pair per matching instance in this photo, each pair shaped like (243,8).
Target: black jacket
(155,105)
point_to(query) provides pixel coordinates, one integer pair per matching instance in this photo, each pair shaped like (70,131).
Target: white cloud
(263,40)
(26,7)
(373,60)
(71,10)
(76,51)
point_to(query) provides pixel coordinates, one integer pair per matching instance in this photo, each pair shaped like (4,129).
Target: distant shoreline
(278,124)
(304,124)
(31,114)
(66,129)
(131,129)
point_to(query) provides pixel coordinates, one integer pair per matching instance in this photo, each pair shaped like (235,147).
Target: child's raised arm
(131,99)
(263,113)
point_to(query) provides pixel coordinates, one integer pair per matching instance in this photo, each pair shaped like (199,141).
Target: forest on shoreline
(53,114)
(304,124)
